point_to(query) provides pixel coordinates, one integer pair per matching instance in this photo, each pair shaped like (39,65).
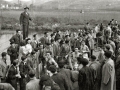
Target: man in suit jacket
(3,67)
(17,38)
(24,69)
(66,73)
(24,21)
(12,52)
(59,78)
(13,74)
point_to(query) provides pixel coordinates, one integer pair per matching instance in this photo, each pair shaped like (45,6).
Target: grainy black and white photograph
(59,44)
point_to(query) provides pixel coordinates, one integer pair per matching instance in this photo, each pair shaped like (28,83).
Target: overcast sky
(29,0)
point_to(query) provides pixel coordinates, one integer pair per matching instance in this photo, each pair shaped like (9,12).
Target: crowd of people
(64,60)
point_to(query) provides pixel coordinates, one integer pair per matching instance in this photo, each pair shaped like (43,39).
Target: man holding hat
(24,22)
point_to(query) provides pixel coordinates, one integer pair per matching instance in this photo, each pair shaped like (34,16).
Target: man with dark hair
(33,84)
(59,78)
(24,22)
(12,52)
(13,74)
(34,42)
(108,73)
(85,77)
(65,49)
(66,73)
(45,39)
(96,66)
(24,69)
(3,67)
(17,38)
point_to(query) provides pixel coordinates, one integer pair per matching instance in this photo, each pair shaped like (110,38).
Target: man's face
(26,10)
(48,55)
(29,41)
(13,45)
(41,46)
(46,34)
(4,57)
(19,32)
(76,49)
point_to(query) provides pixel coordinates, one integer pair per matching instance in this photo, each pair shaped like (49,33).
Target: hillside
(81,4)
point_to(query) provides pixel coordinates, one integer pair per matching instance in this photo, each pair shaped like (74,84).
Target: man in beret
(108,73)
(24,22)
(3,67)
(33,84)
(85,77)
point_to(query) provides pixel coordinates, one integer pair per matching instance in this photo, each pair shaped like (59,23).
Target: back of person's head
(33,52)
(93,58)
(45,33)
(36,49)
(108,54)
(61,63)
(23,57)
(53,68)
(32,73)
(107,47)
(15,62)
(3,54)
(67,41)
(84,61)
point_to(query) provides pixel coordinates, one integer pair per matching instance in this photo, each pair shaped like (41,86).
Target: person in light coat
(108,73)
(33,84)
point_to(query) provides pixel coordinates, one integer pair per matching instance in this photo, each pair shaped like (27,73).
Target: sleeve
(12,39)
(21,18)
(80,78)
(9,51)
(1,71)
(107,70)
(55,63)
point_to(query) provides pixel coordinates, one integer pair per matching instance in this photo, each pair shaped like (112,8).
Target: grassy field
(60,16)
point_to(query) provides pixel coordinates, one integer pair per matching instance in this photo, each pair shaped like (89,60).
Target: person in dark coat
(45,81)
(57,35)
(66,73)
(59,78)
(12,52)
(86,76)
(24,70)
(17,38)
(96,66)
(24,22)
(13,74)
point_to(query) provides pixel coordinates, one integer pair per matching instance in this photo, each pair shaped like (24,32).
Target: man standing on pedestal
(24,22)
